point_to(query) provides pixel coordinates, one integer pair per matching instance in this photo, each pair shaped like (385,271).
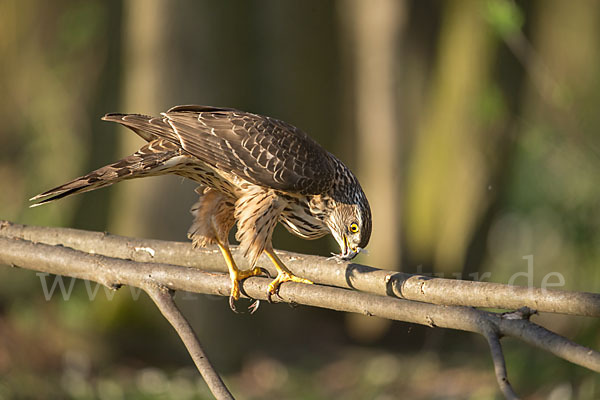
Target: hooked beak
(348,253)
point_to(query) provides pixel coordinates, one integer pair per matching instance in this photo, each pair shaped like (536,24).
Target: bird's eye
(354,227)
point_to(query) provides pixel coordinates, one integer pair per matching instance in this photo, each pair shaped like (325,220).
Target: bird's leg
(236,275)
(283,274)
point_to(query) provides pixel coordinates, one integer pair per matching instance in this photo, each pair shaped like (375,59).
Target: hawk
(253,170)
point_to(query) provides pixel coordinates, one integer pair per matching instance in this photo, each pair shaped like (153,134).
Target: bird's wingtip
(112,116)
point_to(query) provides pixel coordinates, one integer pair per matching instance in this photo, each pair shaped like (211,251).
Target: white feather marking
(174,161)
(181,142)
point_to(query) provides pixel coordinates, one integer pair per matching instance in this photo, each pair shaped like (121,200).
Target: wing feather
(262,150)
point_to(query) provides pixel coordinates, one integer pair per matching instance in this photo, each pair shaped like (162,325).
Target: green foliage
(505,16)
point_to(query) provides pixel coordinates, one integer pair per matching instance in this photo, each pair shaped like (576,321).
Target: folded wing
(262,150)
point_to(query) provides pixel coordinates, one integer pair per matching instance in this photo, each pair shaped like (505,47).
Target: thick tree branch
(114,272)
(319,270)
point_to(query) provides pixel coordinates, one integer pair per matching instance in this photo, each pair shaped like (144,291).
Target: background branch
(114,272)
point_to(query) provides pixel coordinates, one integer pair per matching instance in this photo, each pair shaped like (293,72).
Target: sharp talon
(275,293)
(265,271)
(281,278)
(232,305)
(254,306)
(236,275)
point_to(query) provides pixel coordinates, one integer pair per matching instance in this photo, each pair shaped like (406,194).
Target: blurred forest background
(472,125)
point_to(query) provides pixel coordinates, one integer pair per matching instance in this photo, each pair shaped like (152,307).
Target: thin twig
(499,364)
(163,299)
(320,270)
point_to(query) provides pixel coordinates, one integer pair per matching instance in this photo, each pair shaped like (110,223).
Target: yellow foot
(236,277)
(283,276)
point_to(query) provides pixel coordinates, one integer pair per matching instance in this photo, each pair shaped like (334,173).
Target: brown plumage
(253,170)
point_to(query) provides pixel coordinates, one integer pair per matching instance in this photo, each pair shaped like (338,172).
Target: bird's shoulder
(264,150)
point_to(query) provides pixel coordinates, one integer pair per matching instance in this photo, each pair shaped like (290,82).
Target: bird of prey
(253,170)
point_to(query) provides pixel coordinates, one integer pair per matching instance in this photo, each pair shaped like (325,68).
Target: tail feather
(156,158)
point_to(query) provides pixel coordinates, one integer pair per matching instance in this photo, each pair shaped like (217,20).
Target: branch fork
(115,261)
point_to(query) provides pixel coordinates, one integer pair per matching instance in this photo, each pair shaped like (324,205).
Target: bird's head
(350,225)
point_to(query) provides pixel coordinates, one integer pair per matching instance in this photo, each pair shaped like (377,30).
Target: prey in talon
(253,171)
